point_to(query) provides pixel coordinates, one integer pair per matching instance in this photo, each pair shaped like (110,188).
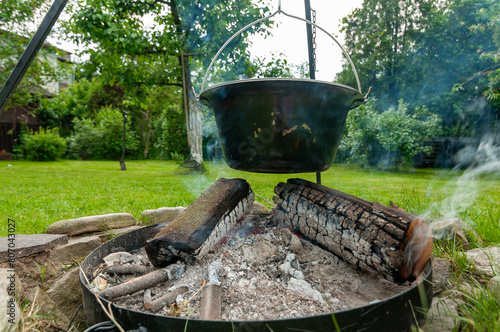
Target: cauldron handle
(266,18)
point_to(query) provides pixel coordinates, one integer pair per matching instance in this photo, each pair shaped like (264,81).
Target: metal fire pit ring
(396,313)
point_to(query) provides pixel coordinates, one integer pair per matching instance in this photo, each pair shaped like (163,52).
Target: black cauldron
(280,125)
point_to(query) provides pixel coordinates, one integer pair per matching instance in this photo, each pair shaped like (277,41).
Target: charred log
(387,240)
(202,224)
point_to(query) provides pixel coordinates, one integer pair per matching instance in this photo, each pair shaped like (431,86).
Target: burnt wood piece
(167,299)
(387,240)
(211,303)
(134,285)
(129,269)
(194,232)
(147,299)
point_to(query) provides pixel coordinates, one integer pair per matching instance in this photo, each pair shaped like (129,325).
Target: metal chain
(313,14)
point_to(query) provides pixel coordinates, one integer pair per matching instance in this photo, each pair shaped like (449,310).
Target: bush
(46,145)
(169,135)
(388,139)
(101,138)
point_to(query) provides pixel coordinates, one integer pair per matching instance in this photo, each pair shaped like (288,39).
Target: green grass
(36,194)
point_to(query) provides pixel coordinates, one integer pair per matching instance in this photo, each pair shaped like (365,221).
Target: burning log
(387,240)
(134,285)
(202,224)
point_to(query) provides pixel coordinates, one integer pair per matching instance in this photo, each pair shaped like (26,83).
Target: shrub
(101,138)
(46,145)
(388,139)
(169,135)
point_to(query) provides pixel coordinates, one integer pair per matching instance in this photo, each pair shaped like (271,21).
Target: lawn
(36,194)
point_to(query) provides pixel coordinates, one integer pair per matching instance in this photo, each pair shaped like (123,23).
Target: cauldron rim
(291,80)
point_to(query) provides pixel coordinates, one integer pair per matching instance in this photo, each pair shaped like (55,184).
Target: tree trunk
(194,129)
(386,240)
(195,116)
(194,232)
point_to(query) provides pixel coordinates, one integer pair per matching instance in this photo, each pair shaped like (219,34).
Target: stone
(112,233)
(441,315)
(77,248)
(27,245)
(45,306)
(162,214)
(66,293)
(91,224)
(485,260)
(454,230)
(441,275)
(10,313)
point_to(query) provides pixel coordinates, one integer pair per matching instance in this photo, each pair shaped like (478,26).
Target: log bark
(146,281)
(386,240)
(202,224)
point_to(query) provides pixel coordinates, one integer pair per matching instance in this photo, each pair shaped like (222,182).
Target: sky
(290,38)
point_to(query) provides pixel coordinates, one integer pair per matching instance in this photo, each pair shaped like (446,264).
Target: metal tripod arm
(30,52)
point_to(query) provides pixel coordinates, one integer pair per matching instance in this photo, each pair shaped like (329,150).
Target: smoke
(485,160)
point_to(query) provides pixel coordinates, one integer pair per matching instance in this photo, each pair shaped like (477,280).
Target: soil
(268,272)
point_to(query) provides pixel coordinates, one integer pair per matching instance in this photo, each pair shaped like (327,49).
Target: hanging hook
(279,6)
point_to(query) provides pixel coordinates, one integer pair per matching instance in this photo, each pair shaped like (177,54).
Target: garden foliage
(102,137)
(388,138)
(45,145)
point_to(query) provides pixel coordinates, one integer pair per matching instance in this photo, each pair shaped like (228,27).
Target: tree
(16,29)
(378,39)
(490,21)
(133,54)
(418,50)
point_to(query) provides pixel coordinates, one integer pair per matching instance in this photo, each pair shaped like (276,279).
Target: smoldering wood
(147,299)
(129,269)
(386,240)
(167,299)
(146,281)
(211,303)
(202,224)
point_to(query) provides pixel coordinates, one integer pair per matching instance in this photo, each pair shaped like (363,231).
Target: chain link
(313,14)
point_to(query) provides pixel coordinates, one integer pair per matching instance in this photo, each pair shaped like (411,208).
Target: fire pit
(254,253)
(394,314)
